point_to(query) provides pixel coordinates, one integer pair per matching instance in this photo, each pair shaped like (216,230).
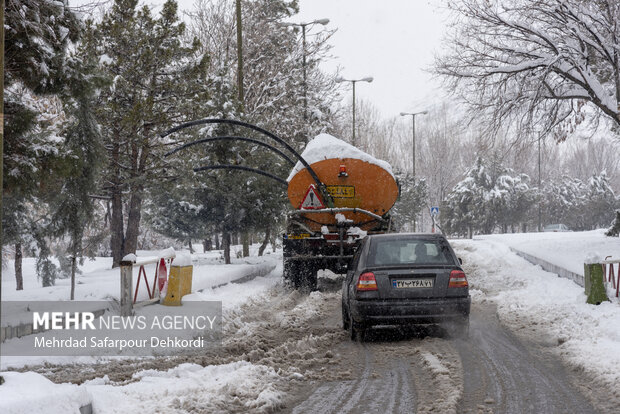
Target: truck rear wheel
(307,276)
(291,273)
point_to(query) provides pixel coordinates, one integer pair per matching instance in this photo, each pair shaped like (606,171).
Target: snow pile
(169,252)
(325,146)
(29,392)
(592,258)
(238,386)
(130,258)
(341,218)
(441,374)
(304,311)
(356,231)
(547,309)
(433,363)
(182,259)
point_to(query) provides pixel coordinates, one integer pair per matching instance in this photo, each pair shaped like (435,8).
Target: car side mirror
(460,260)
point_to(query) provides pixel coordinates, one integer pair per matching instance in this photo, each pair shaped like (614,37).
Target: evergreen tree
(413,198)
(156,80)
(465,206)
(38,72)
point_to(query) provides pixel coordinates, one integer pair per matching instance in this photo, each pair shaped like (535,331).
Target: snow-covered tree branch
(540,66)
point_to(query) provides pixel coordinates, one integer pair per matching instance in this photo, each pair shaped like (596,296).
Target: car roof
(407,236)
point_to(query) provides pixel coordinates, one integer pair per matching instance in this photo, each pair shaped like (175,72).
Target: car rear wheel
(357,331)
(345,319)
(307,277)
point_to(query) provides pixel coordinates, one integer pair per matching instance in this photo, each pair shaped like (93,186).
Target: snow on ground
(265,349)
(28,392)
(550,310)
(567,250)
(99,281)
(237,386)
(240,385)
(210,283)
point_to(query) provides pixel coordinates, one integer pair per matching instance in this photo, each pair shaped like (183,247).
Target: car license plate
(412,283)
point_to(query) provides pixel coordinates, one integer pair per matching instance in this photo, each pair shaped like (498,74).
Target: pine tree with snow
(466,208)
(156,79)
(39,72)
(413,198)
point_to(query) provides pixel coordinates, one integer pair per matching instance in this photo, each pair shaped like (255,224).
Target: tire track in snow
(501,374)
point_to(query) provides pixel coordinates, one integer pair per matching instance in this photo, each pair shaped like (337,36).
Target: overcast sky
(393,41)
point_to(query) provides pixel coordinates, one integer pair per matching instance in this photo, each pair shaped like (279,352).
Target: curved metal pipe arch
(232,138)
(241,167)
(320,186)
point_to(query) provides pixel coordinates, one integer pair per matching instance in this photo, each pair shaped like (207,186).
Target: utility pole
(539,190)
(303,64)
(239,55)
(353,82)
(245,235)
(413,114)
(1,140)
(353,139)
(303,60)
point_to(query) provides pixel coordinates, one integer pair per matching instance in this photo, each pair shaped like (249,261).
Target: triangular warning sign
(311,200)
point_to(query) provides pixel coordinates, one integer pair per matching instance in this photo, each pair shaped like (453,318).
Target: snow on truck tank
(366,182)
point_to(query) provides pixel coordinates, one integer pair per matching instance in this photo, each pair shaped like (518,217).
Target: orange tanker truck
(351,198)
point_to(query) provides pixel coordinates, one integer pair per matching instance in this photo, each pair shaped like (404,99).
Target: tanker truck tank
(327,224)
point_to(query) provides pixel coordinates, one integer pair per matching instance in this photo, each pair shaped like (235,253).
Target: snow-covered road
(534,346)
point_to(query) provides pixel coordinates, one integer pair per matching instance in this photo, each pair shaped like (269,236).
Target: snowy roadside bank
(211,283)
(567,250)
(98,281)
(549,310)
(266,350)
(173,385)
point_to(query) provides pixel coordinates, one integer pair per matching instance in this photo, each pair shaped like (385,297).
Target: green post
(595,287)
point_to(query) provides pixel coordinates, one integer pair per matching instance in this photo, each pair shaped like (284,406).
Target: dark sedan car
(405,279)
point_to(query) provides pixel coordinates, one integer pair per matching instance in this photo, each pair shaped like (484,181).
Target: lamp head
(403,113)
(322,21)
(367,79)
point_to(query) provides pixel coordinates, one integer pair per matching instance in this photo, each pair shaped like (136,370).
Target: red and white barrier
(613,276)
(159,280)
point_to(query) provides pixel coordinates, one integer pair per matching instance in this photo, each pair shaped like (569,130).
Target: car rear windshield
(403,251)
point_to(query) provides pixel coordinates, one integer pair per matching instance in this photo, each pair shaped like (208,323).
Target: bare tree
(540,65)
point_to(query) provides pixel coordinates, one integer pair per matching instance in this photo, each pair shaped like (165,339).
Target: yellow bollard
(179,284)
(186,280)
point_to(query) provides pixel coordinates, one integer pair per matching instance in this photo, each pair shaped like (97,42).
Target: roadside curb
(552,268)
(260,271)
(24,329)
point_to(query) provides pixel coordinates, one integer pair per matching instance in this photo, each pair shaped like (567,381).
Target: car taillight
(457,279)
(367,281)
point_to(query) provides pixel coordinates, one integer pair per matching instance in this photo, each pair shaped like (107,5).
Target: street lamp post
(353,82)
(413,114)
(303,42)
